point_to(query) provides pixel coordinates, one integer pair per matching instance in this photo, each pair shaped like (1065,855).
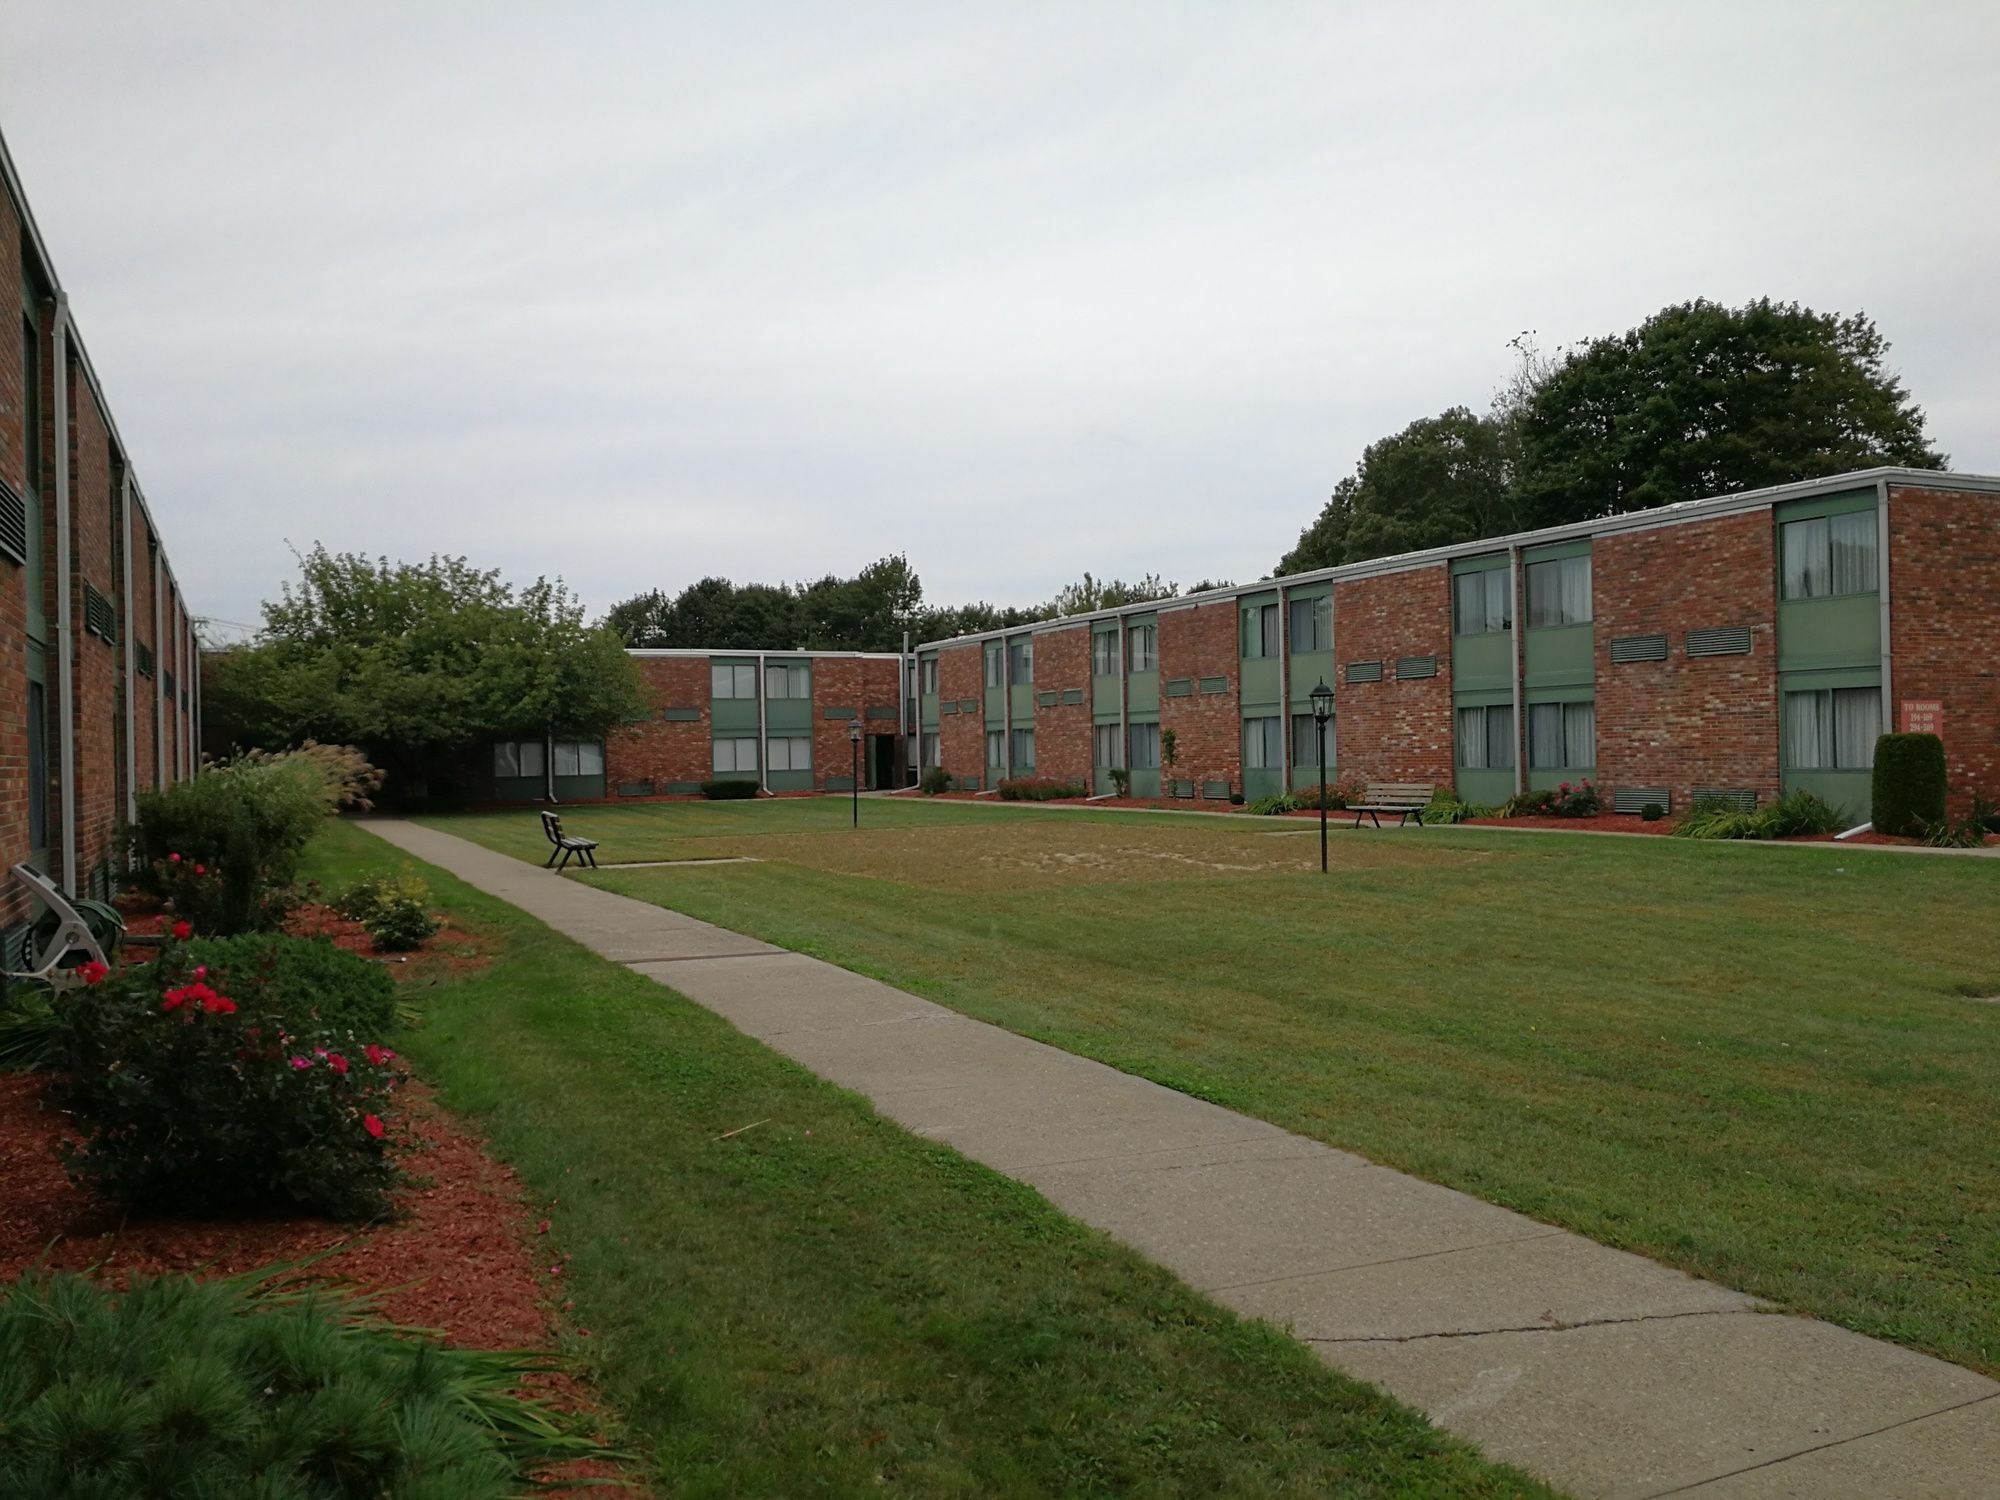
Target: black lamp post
(1322,701)
(854,781)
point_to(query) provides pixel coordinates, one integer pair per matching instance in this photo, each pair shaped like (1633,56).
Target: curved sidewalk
(1604,1372)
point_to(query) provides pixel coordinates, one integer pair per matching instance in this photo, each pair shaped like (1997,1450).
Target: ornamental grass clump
(177,1389)
(191,1100)
(394,908)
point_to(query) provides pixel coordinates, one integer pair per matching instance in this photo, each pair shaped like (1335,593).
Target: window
(579,758)
(1104,653)
(1263,740)
(996,747)
(793,753)
(1832,729)
(513,758)
(732,682)
(1021,661)
(1104,746)
(995,676)
(1486,738)
(1305,743)
(1562,736)
(1482,603)
(1260,630)
(927,675)
(1145,741)
(788,680)
(1142,643)
(1829,555)
(929,751)
(1024,750)
(1559,592)
(1312,624)
(738,756)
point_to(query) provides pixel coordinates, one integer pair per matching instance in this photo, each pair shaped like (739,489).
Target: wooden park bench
(583,851)
(69,935)
(1409,798)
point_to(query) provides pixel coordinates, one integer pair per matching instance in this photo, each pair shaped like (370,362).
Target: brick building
(99,687)
(1740,646)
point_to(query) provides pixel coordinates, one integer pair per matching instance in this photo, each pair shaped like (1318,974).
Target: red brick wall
(1208,727)
(659,751)
(1062,732)
(13,579)
(1393,730)
(962,737)
(882,688)
(140,623)
(837,682)
(97,666)
(1680,723)
(1944,626)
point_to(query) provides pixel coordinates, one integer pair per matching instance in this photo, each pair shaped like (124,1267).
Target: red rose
(92,972)
(373,1125)
(336,1062)
(201,869)
(183,931)
(173,1000)
(219,1005)
(378,1055)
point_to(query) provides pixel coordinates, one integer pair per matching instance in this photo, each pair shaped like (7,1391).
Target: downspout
(907,711)
(1514,659)
(1284,690)
(131,658)
(1124,710)
(65,572)
(763,730)
(1006,708)
(549,764)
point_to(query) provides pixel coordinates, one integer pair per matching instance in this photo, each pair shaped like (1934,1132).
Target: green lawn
(1760,1064)
(827,1304)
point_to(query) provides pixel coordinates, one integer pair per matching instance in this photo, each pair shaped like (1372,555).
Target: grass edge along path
(827,1304)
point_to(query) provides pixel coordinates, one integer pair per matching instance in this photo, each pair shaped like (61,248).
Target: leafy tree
(422,664)
(1440,480)
(1091,593)
(1702,399)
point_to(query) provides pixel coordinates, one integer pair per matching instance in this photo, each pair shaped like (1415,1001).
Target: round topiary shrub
(1652,812)
(1909,783)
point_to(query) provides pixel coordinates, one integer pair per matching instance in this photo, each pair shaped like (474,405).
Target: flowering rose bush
(190,1100)
(1577,799)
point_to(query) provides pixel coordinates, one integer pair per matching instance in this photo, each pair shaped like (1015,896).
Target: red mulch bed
(1602,823)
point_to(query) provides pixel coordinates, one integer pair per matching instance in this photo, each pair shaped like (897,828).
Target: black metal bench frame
(567,847)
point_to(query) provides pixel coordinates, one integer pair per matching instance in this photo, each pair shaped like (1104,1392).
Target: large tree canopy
(1698,400)
(422,662)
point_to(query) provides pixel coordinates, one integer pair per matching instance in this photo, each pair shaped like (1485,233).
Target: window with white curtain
(1828,556)
(1104,746)
(996,747)
(1104,653)
(1260,630)
(1023,662)
(1832,729)
(927,675)
(1305,743)
(513,758)
(579,758)
(788,680)
(1559,592)
(1145,741)
(736,755)
(996,672)
(1482,603)
(1024,750)
(1486,738)
(929,751)
(792,753)
(1312,624)
(1562,736)
(732,682)
(1263,742)
(1143,644)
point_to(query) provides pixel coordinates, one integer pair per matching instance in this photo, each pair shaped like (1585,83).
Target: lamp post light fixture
(1322,702)
(854,781)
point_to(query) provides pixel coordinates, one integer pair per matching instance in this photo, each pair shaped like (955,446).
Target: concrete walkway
(1606,1373)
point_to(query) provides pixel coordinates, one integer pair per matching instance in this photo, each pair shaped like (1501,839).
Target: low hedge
(1039,789)
(1909,783)
(307,982)
(728,791)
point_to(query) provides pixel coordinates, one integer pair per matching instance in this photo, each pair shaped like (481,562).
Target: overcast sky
(639,292)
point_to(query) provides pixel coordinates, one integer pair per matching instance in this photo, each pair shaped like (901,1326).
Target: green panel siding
(1309,670)
(1024,704)
(1844,503)
(1579,548)
(1263,783)
(790,781)
(733,717)
(1490,562)
(1104,697)
(520,788)
(790,715)
(1486,661)
(927,709)
(1143,693)
(578,788)
(1545,781)
(1488,787)
(1259,681)
(1850,791)
(996,708)
(1558,656)
(1480,697)
(1146,783)
(1844,631)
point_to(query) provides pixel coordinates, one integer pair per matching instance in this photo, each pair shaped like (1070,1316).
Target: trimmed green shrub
(176,1389)
(1652,812)
(1235,799)
(1121,782)
(1909,783)
(306,983)
(732,790)
(1577,799)
(1038,789)
(189,1101)
(936,781)
(394,908)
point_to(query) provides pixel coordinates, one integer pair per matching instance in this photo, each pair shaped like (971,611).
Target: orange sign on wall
(1923,716)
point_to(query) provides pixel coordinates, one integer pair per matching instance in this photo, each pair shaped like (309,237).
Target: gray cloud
(637,293)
